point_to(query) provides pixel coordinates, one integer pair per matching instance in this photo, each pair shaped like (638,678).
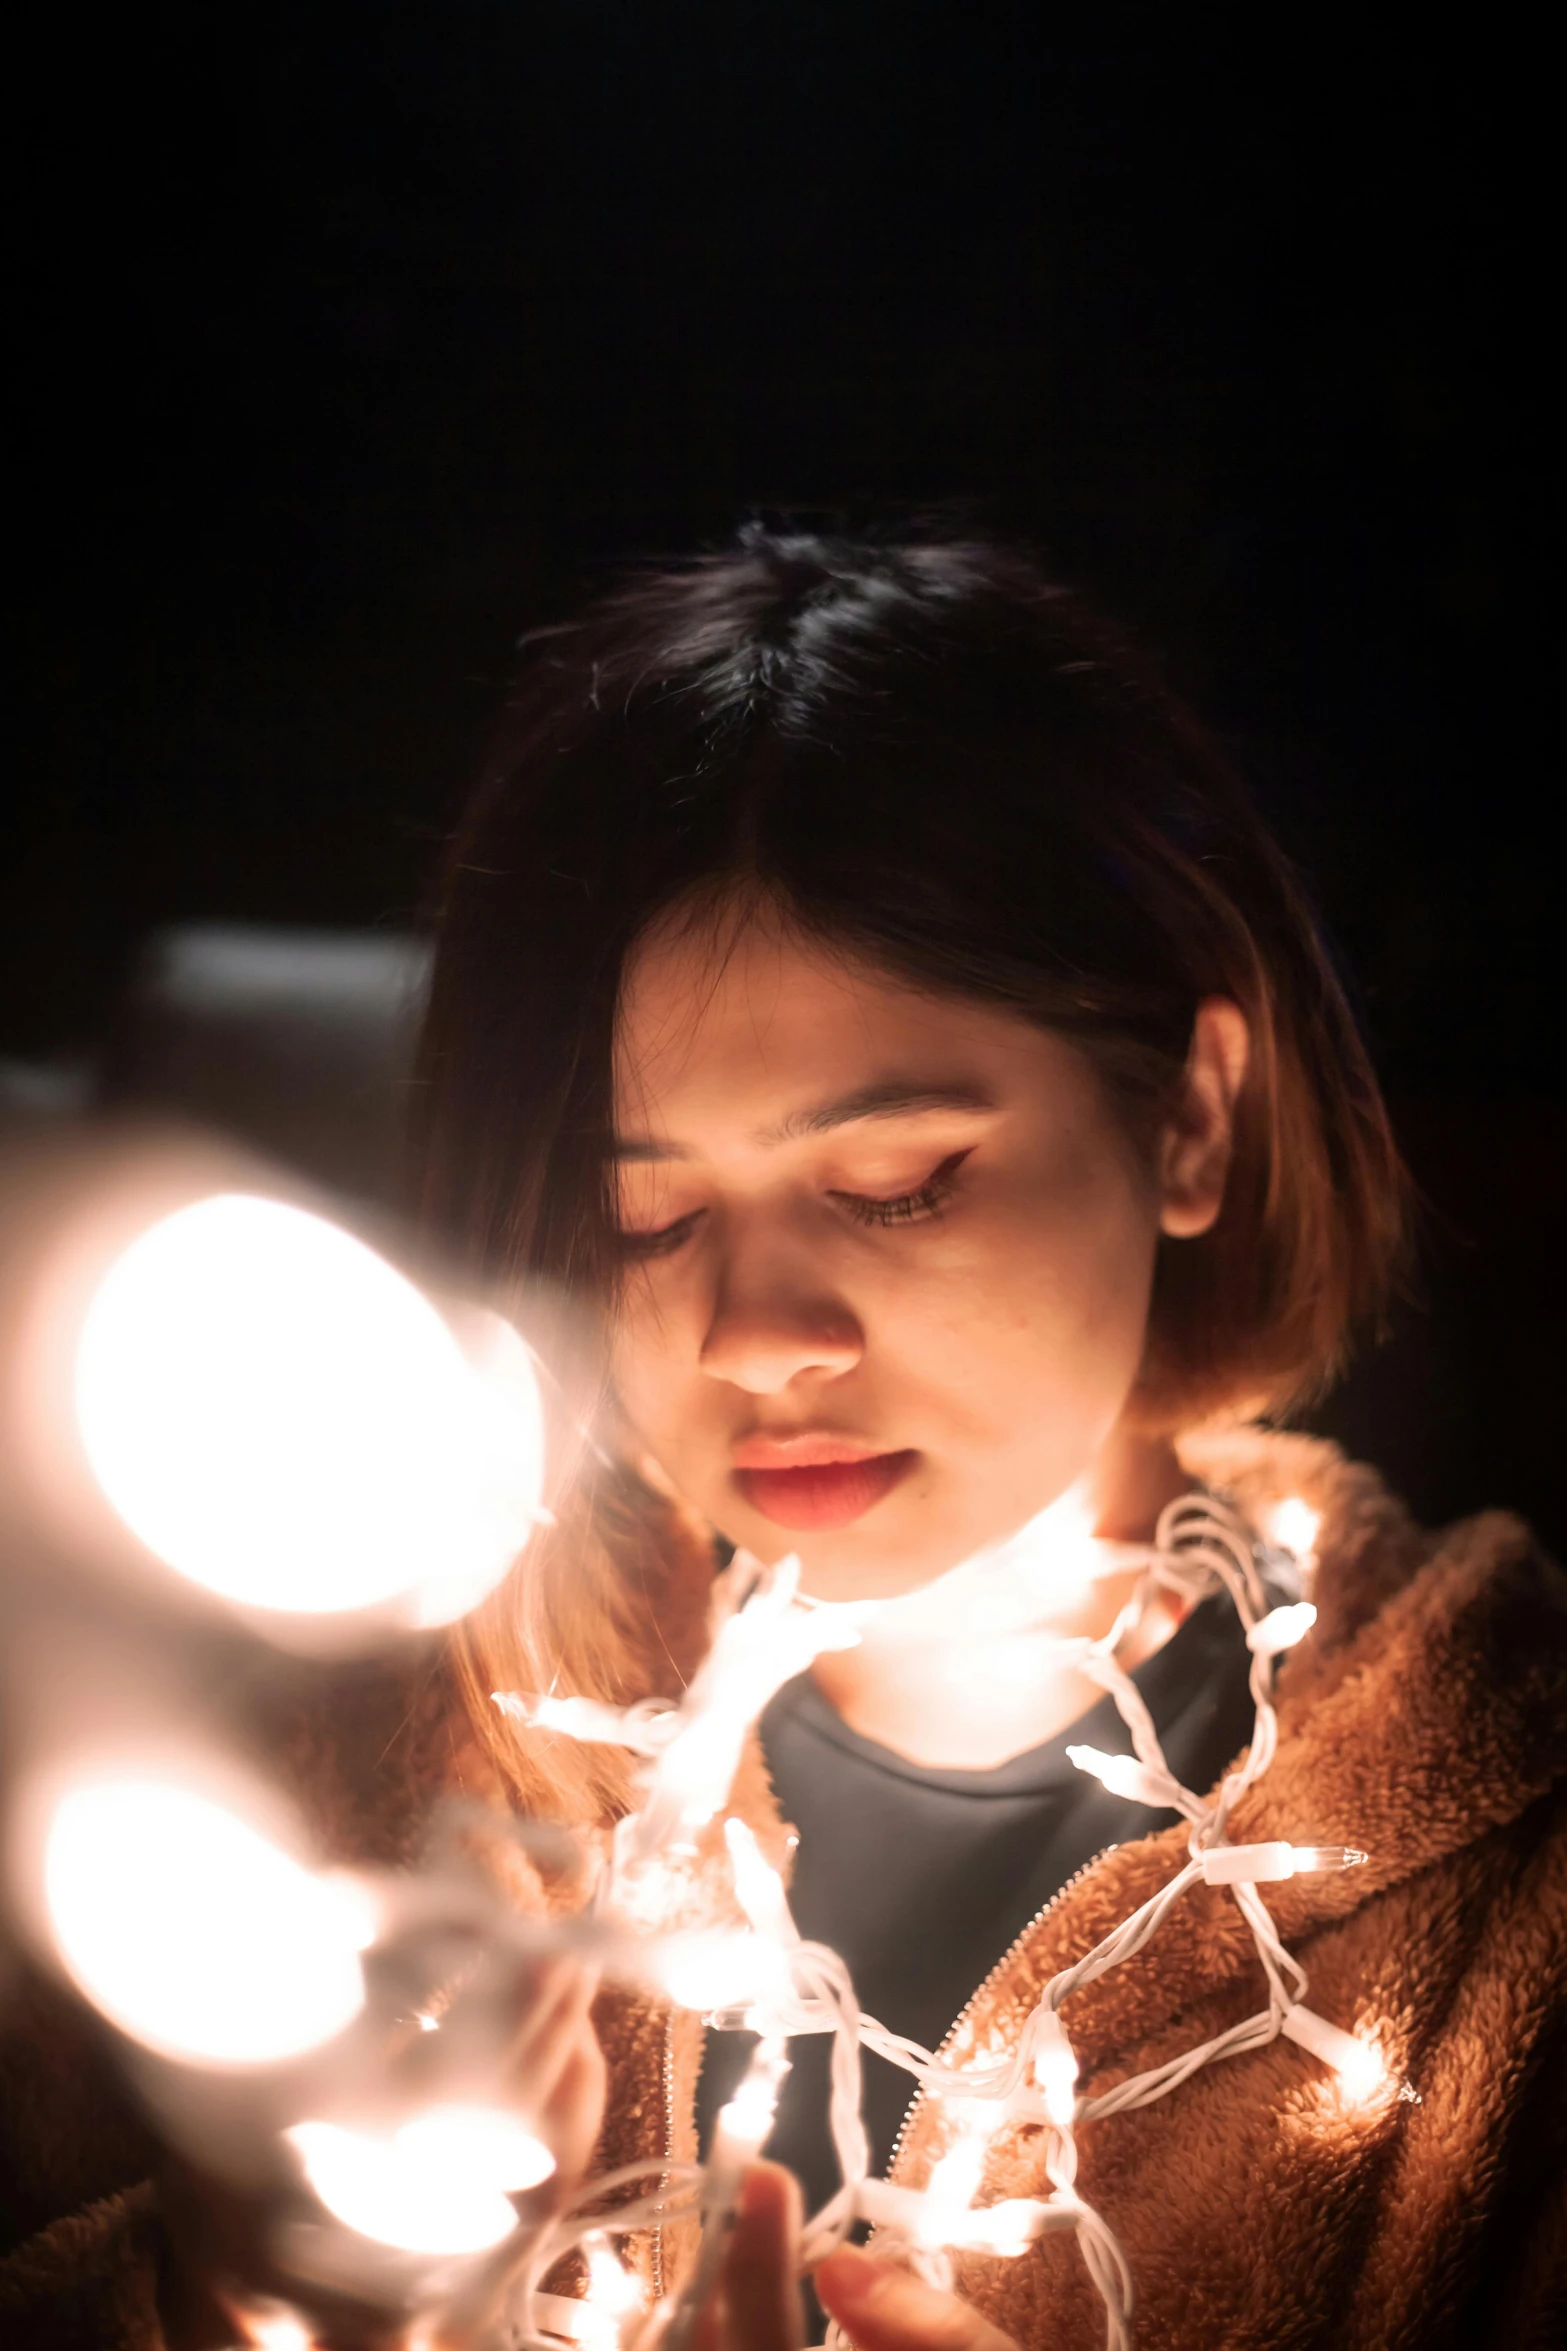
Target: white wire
(1200,1545)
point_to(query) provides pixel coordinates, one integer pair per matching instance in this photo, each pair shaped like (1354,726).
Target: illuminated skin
(909,1229)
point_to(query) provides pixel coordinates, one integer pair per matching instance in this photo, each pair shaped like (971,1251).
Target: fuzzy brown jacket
(1424,1721)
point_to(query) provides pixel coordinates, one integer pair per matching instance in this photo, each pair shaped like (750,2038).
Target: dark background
(354,342)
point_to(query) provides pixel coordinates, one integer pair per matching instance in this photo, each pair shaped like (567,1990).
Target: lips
(811,1494)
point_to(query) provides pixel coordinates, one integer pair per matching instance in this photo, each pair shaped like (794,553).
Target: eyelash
(908,1208)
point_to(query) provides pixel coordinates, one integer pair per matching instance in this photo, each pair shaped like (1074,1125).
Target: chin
(875,1567)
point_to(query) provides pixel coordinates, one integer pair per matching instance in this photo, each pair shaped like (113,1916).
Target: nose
(772,1322)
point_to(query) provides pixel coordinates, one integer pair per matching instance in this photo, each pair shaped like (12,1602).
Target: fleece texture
(1424,1720)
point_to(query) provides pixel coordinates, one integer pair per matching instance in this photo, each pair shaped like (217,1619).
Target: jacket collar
(1428,1706)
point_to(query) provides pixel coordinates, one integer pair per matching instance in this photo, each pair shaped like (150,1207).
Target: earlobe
(1196,1145)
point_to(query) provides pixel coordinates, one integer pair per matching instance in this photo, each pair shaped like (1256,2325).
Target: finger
(571,2120)
(884,2309)
(534,2064)
(551,2003)
(761,2265)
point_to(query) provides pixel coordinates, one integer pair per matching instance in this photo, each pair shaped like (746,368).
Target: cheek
(652,1356)
(1042,1307)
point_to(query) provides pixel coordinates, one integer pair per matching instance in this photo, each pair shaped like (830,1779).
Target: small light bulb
(1241,1865)
(748,2117)
(1358,2065)
(1281,1628)
(1006,2229)
(1123,1775)
(1311,1858)
(613,2294)
(1055,2068)
(759,1886)
(708,1971)
(1294,1525)
(192,1931)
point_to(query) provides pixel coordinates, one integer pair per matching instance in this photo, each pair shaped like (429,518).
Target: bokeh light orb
(193,1932)
(281,1416)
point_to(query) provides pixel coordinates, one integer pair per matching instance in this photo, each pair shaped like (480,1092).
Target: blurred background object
(358,344)
(297,1042)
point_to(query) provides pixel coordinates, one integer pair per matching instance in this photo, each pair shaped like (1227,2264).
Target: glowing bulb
(613,2294)
(764,1644)
(1293,1525)
(280,1416)
(1281,1628)
(647,1729)
(1358,2065)
(193,1933)
(744,2122)
(1123,1775)
(1007,2229)
(758,1886)
(1055,2068)
(955,2178)
(276,2330)
(438,2184)
(712,1970)
(1235,1865)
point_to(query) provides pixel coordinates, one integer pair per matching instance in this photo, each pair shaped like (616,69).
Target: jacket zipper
(980,1990)
(669,2148)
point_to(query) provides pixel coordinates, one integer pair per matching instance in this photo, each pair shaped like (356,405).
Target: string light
(1293,1525)
(1124,1776)
(1358,2065)
(1235,1865)
(1280,1629)
(442,2180)
(144,1881)
(286,1421)
(1200,1546)
(440,2183)
(1055,2068)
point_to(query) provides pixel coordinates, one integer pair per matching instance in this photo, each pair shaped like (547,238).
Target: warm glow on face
(989,1329)
(192,1932)
(282,1417)
(439,2184)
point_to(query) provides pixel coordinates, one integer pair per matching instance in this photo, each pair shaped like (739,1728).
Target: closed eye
(928,1200)
(662,1242)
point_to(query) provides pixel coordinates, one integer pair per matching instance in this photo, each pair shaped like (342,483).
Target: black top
(923,1878)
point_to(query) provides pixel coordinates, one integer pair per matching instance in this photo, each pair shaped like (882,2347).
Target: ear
(1195,1146)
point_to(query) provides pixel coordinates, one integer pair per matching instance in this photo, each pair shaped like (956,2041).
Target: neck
(965,1672)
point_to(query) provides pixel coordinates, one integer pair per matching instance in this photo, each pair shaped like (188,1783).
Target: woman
(875,1014)
(877,1005)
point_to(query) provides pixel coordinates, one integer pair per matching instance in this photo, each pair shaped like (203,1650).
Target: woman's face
(889,1255)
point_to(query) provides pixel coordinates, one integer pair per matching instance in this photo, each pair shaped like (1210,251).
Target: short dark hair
(921,747)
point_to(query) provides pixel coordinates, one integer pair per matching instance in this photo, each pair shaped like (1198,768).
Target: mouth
(818,1483)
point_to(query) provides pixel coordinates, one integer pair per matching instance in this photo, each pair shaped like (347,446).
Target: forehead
(732,1027)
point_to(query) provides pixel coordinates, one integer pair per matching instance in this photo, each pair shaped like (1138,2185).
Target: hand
(884,2309)
(757,2304)
(544,2056)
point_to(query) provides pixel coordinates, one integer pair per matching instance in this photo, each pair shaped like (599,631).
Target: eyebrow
(890,1098)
